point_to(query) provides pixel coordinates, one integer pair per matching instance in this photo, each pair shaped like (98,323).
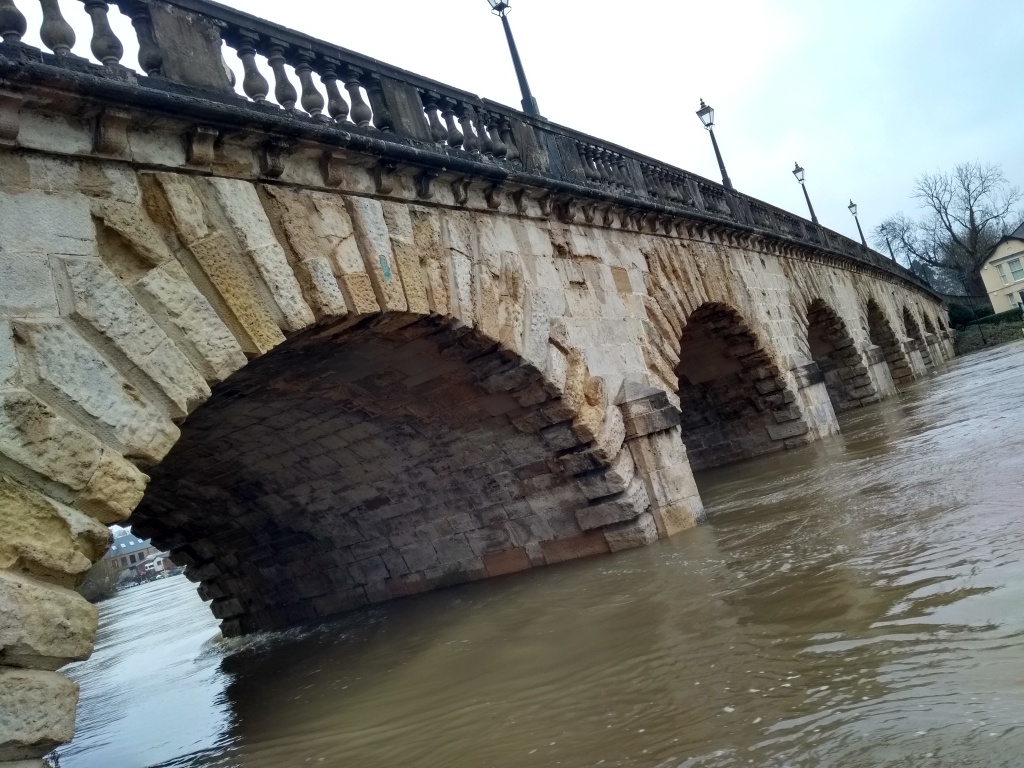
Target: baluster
(471,143)
(55,32)
(656,185)
(337,107)
(509,140)
(620,164)
(361,112)
(669,184)
(105,45)
(312,102)
(593,165)
(500,150)
(284,91)
(12,22)
(480,123)
(150,57)
(587,158)
(381,114)
(455,138)
(604,167)
(663,186)
(437,131)
(254,84)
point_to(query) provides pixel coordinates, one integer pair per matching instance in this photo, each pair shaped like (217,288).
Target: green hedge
(970,339)
(960,315)
(1010,316)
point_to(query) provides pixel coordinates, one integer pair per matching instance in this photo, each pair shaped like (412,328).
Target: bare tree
(966,212)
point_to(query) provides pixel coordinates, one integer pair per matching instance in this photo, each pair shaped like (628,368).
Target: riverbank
(976,337)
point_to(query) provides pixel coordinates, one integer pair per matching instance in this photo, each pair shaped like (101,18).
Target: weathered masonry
(372,336)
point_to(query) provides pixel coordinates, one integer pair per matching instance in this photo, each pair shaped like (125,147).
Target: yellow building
(1003,272)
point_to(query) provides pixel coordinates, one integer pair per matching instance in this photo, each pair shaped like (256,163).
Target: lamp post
(799,173)
(853,210)
(888,244)
(707,116)
(501,8)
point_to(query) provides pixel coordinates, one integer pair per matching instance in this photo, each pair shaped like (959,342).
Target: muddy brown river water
(859,602)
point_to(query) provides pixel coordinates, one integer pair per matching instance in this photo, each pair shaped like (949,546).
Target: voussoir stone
(37,712)
(43,627)
(45,538)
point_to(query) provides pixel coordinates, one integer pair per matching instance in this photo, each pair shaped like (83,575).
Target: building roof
(1017,234)
(126,543)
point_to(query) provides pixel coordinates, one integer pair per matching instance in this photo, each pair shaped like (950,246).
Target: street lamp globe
(706,115)
(853,208)
(500,7)
(798,172)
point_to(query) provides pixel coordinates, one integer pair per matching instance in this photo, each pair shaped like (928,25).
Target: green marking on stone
(386,267)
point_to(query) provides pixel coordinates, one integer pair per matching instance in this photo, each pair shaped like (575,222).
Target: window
(1011,301)
(1002,274)
(1016,269)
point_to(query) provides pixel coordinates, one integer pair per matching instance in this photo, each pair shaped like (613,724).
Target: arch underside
(831,346)
(882,335)
(914,333)
(357,465)
(734,403)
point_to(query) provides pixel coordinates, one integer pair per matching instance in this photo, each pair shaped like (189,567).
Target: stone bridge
(333,340)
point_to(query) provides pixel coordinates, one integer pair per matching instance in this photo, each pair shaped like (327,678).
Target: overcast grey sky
(865,95)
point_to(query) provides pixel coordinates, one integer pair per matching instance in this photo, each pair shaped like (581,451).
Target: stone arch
(356,464)
(928,325)
(831,346)
(882,336)
(185,298)
(735,403)
(917,338)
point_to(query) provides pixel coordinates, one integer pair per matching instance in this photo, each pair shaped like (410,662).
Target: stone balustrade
(181,43)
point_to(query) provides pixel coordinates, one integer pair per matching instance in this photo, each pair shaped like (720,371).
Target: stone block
(808,375)
(561,550)
(579,462)
(374,241)
(101,301)
(631,534)
(172,299)
(243,210)
(64,362)
(45,538)
(34,436)
(191,46)
(28,285)
(113,491)
(43,627)
(787,430)
(509,561)
(616,509)
(678,516)
(645,410)
(767,386)
(37,712)
(783,415)
(487,541)
(610,480)
(420,556)
(560,437)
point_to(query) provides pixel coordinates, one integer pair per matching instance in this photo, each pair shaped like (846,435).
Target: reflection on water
(856,603)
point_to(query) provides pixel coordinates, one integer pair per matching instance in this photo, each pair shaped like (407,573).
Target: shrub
(960,315)
(1010,316)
